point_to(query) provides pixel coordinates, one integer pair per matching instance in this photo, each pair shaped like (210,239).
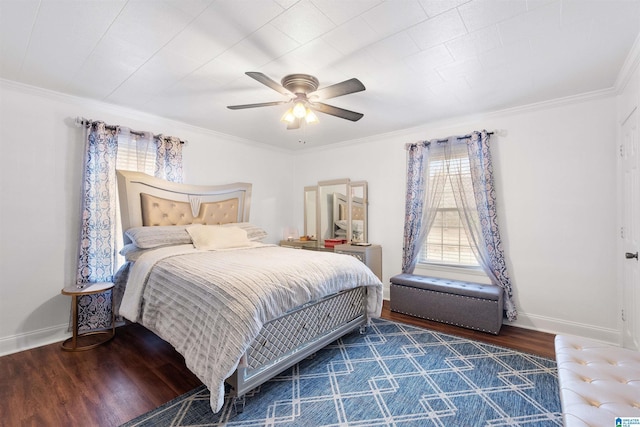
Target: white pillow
(212,237)
(342,224)
(254,233)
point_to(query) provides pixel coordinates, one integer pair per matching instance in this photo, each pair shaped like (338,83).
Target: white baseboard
(58,333)
(565,327)
(33,339)
(557,326)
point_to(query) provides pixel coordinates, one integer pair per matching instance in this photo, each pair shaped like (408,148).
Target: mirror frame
(354,191)
(365,204)
(320,206)
(307,212)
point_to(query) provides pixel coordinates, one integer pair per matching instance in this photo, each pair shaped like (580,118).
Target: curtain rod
(408,145)
(80,121)
(460,137)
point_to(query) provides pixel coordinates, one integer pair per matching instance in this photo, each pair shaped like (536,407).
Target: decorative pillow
(254,233)
(163,235)
(131,252)
(341,223)
(212,237)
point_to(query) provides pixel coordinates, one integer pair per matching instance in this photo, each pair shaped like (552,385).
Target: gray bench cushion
(457,287)
(469,305)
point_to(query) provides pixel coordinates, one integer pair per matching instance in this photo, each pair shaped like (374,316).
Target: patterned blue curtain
(168,158)
(414,205)
(425,184)
(99,234)
(97,255)
(489,251)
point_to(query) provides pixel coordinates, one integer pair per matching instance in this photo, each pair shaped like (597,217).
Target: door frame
(629,228)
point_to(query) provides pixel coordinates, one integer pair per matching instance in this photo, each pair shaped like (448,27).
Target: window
(136,153)
(447,243)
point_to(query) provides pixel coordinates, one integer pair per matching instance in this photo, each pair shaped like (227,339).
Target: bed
(240,311)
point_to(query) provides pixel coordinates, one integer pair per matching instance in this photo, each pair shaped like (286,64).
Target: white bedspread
(210,305)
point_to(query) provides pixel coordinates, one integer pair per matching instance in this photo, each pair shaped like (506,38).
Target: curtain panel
(414,205)
(168,158)
(485,228)
(97,255)
(425,184)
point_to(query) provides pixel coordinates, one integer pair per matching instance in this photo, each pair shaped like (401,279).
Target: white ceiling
(420,60)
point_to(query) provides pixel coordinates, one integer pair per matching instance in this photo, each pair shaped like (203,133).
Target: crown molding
(80,102)
(459,121)
(624,76)
(628,68)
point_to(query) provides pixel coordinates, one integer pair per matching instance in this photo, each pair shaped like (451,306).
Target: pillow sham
(131,252)
(342,224)
(254,233)
(163,235)
(212,237)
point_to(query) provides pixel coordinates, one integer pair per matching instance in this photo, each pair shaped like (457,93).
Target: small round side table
(87,340)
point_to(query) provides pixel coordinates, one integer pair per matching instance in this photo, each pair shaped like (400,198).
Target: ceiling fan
(303,92)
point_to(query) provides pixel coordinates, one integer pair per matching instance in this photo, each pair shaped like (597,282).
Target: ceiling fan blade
(295,124)
(262,104)
(336,111)
(262,78)
(339,89)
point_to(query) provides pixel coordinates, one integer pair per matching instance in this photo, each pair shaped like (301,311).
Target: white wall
(40,177)
(555,173)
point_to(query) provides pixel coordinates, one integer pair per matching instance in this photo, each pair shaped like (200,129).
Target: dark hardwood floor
(137,372)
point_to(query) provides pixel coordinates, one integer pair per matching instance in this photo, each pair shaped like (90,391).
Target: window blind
(136,154)
(447,241)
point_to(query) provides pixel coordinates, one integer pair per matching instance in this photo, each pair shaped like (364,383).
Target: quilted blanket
(210,305)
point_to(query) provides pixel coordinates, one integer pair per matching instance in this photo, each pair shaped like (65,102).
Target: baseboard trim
(564,327)
(58,333)
(33,339)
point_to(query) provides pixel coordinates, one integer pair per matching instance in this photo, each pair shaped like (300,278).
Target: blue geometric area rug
(394,375)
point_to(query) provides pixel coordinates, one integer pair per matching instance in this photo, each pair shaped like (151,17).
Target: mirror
(338,211)
(358,209)
(332,200)
(310,211)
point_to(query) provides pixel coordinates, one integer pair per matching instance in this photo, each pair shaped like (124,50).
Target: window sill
(471,274)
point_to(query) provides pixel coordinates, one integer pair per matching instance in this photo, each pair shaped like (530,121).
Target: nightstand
(370,255)
(299,244)
(311,245)
(91,339)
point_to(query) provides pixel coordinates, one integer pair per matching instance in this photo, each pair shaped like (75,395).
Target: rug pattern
(394,375)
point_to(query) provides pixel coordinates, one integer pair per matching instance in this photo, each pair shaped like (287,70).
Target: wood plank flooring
(137,372)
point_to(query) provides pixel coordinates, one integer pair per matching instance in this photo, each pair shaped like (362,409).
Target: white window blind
(136,153)
(447,241)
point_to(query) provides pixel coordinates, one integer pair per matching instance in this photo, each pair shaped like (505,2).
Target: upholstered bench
(598,382)
(465,304)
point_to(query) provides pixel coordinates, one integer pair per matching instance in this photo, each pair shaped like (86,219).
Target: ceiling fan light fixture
(299,110)
(311,117)
(302,90)
(288,116)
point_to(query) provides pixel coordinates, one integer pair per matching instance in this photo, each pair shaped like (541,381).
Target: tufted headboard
(150,201)
(340,207)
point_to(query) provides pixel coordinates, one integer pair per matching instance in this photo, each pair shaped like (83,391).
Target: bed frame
(283,342)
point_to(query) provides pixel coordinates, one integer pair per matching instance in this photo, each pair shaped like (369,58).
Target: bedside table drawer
(371,256)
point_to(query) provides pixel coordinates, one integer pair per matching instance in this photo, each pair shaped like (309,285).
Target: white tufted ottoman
(598,382)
